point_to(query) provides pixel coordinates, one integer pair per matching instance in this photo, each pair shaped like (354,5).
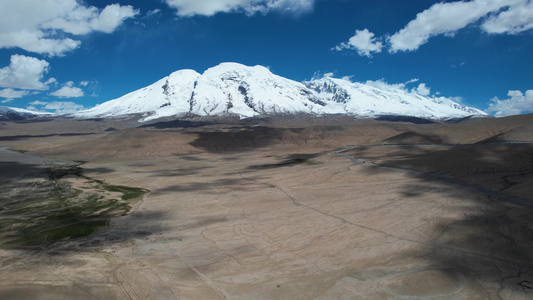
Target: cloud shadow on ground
(492,242)
(412,137)
(23,137)
(289,161)
(237,140)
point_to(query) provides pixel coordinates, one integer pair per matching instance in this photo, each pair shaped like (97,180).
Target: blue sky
(66,55)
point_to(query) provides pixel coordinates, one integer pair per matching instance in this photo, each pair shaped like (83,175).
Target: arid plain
(271,208)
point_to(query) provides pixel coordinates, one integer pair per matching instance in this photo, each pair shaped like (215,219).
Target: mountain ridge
(19,114)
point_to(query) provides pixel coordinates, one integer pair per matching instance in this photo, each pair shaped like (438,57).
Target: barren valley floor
(280,209)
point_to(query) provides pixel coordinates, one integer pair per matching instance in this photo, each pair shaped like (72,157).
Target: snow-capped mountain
(232,88)
(18,114)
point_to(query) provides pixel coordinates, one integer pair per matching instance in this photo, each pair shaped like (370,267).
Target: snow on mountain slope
(228,88)
(167,97)
(249,91)
(17,114)
(232,88)
(367,100)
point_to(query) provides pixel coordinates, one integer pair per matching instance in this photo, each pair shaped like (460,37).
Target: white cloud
(457,99)
(25,72)
(36,25)
(51,81)
(516,19)
(422,90)
(84,83)
(57,107)
(111,17)
(516,104)
(187,8)
(447,18)
(63,107)
(37,102)
(68,90)
(34,41)
(382,84)
(11,94)
(319,75)
(153,12)
(364,42)
(347,77)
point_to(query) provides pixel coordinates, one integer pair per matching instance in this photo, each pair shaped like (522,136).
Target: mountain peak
(229,69)
(184,72)
(233,66)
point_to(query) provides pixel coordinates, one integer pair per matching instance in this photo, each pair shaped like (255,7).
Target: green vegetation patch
(39,211)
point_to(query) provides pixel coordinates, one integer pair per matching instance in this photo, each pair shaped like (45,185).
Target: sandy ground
(279,213)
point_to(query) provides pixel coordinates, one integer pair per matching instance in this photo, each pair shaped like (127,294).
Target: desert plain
(289,207)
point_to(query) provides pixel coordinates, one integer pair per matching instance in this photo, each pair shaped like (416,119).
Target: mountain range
(239,90)
(235,89)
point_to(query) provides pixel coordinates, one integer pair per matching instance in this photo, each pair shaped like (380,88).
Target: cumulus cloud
(68,90)
(111,17)
(446,18)
(319,75)
(498,17)
(382,84)
(36,25)
(443,18)
(422,90)
(516,19)
(25,72)
(517,103)
(81,20)
(363,41)
(51,81)
(11,94)
(57,107)
(187,8)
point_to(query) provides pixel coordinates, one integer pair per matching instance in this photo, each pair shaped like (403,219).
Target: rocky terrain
(286,207)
